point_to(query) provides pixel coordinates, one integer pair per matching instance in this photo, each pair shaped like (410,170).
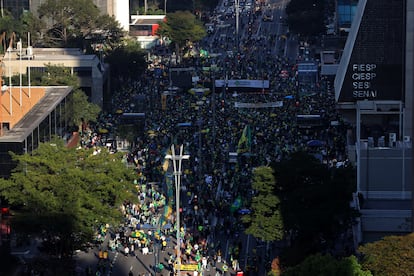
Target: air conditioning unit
(407,139)
(381,142)
(392,139)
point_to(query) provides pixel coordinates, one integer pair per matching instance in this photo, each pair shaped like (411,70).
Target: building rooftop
(24,127)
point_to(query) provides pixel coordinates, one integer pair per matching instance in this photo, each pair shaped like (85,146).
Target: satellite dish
(4,88)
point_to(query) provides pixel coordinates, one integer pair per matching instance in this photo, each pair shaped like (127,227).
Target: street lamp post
(236,6)
(165,7)
(177,159)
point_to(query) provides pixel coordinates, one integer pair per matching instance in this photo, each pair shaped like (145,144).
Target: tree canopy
(306,17)
(127,60)
(80,109)
(314,200)
(392,255)
(70,22)
(265,220)
(182,27)
(326,265)
(64,194)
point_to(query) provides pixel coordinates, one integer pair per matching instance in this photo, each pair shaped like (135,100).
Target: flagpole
(20,71)
(9,50)
(29,53)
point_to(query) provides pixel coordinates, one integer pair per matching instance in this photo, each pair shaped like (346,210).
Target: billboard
(262,84)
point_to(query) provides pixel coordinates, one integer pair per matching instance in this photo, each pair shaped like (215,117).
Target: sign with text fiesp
(363,76)
(375,53)
(371,81)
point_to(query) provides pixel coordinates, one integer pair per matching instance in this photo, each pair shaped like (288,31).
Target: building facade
(91,71)
(374,92)
(32,116)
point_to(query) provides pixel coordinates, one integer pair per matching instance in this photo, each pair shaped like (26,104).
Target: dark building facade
(373,88)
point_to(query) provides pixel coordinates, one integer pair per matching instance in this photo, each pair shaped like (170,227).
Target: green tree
(64,194)
(326,265)
(9,26)
(265,221)
(305,17)
(81,110)
(107,31)
(53,75)
(182,27)
(183,5)
(127,61)
(206,5)
(314,202)
(69,23)
(392,255)
(31,25)
(56,75)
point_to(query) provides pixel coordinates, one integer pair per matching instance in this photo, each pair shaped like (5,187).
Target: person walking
(204,263)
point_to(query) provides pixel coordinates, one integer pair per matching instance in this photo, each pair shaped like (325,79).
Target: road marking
(112,263)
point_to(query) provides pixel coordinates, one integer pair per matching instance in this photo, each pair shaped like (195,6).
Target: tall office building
(374,92)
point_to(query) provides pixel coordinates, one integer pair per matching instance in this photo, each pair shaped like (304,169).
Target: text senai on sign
(363,76)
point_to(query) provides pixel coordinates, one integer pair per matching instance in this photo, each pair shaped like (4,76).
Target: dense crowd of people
(214,124)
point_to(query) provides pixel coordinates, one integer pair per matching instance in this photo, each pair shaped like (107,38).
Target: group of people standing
(211,181)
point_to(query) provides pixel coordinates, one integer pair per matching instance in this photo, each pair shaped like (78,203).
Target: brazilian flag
(236,204)
(245,141)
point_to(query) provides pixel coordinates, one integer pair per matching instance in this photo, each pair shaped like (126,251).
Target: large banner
(264,84)
(258,105)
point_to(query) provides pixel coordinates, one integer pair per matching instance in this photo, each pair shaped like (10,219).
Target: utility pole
(236,6)
(165,7)
(1,95)
(213,100)
(177,159)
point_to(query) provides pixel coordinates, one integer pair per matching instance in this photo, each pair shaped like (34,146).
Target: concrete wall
(386,221)
(386,173)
